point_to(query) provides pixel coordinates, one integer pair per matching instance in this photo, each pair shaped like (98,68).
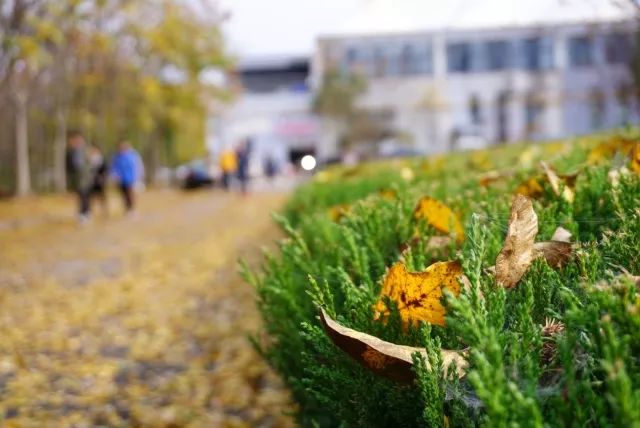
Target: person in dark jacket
(80,173)
(243,154)
(100,171)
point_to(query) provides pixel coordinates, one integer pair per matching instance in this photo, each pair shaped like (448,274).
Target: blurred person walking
(127,169)
(243,153)
(228,165)
(80,173)
(99,169)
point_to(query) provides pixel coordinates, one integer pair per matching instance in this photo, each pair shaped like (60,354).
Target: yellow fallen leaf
(439,216)
(635,158)
(384,358)
(418,294)
(608,149)
(517,252)
(493,176)
(388,194)
(531,188)
(338,211)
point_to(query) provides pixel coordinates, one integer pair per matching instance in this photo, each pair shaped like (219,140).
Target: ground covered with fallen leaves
(137,321)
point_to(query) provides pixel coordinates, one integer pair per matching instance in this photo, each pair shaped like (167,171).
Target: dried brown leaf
(557,253)
(384,358)
(518,250)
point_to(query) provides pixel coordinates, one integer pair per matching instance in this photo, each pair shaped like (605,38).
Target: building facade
(273,109)
(538,70)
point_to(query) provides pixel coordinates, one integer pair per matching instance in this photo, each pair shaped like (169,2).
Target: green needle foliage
(560,349)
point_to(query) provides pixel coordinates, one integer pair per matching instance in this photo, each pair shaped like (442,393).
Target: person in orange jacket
(228,165)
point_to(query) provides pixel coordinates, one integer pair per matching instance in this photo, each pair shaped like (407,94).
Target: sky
(258,28)
(262,28)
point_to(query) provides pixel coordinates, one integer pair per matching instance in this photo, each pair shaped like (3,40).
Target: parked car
(194,176)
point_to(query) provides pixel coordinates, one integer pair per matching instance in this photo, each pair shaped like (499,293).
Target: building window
(415,59)
(530,54)
(534,111)
(497,55)
(537,53)
(459,57)
(581,51)
(408,60)
(617,48)
(351,58)
(475,111)
(598,107)
(379,62)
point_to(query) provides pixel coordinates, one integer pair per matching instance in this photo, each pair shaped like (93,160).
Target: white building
(273,110)
(504,70)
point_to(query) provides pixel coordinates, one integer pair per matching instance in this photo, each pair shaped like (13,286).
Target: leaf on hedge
(338,211)
(493,176)
(388,194)
(531,187)
(384,358)
(517,252)
(557,253)
(418,294)
(635,158)
(560,187)
(440,216)
(609,148)
(434,243)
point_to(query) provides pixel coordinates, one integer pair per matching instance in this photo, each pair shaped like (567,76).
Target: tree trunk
(59,152)
(23,173)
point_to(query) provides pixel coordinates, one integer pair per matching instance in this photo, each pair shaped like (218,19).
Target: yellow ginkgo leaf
(439,216)
(418,294)
(608,149)
(531,188)
(635,158)
(388,194)
(338,211)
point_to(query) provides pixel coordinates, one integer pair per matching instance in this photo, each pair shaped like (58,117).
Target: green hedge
(588,375)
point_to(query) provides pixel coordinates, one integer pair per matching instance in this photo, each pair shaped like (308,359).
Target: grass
(519,374)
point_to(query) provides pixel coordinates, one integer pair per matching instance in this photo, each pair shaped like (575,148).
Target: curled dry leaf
(440,216)
(559,250)
(560,187)
(384,358)
(556,253)
(418,294)
(518,250)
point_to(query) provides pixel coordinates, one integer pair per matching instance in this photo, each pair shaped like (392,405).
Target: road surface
(134,321)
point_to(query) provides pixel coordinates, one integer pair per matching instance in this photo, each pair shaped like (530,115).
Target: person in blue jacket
(127,169)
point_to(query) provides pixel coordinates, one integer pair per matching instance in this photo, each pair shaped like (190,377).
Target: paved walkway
(134,321)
